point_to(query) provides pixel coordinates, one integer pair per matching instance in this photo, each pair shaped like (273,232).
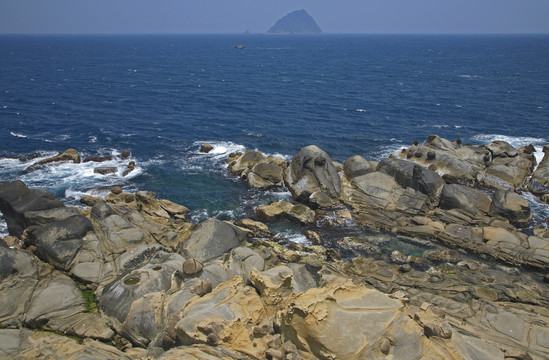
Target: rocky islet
(164,287)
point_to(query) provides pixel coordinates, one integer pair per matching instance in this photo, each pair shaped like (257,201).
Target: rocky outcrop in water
(296,22)
(131,277)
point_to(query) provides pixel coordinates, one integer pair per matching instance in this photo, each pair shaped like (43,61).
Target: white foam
(294,237)
(220,148)
(514,141)
(92,139)
(18,135)
(388,150)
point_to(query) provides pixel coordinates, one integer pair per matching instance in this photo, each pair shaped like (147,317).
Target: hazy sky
(257,16)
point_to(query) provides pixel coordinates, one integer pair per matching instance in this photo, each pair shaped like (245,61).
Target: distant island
(296,22)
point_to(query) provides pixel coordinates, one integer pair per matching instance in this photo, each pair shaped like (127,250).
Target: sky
(257,16)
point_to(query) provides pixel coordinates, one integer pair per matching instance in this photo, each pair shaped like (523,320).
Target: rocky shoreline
(129,276)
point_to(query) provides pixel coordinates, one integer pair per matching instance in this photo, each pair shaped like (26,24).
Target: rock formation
(131,277)
(296,22)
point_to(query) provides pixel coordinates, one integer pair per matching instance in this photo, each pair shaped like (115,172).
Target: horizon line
(266,33)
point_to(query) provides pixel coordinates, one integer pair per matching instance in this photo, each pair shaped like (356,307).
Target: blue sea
(162,96)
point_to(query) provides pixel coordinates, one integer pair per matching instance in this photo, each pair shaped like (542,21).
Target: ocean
(162,96)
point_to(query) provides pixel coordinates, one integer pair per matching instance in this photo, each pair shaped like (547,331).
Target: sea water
(162,96)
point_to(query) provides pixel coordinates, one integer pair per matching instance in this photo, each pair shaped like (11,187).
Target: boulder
(268,172)
(312,170)
(206,148)
(70,155)
(274,211)
(355,166)
(455,196)
(245,162)
(59,242)
(511,206)
(398,169)
(539,183)
(105,170)
(212,239)
(16,199)
(257,228)
(500,148)
(300,214)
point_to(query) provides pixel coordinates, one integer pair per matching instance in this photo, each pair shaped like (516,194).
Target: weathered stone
(456,196)
(192,266)
(16,199)
(211,239)
(258,229)
(105,170)
(70,155)
(355,166)
(58,242)
(312,170)
(300,214)
(443,331)
(206,148)
(274,211)
(511,206)
(444,255)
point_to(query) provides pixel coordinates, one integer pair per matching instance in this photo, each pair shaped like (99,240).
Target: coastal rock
(70,155)
(274,211)
(356,166)
(105,170)
(296,22)
(369,317)
(311,170)
(58,242)
(539,183)
(16,199)
(206,148)
(226,317)
(20,344)
(264,176)
(211,239)
(258,229)
(511,206)
(456,196)
(245,162)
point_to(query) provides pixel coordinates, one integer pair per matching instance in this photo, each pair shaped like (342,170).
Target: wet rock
(211,239)
(312,170)
(125,154)
(511,206)
(319,199)
(206,148)
(70,155)
(105,170)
